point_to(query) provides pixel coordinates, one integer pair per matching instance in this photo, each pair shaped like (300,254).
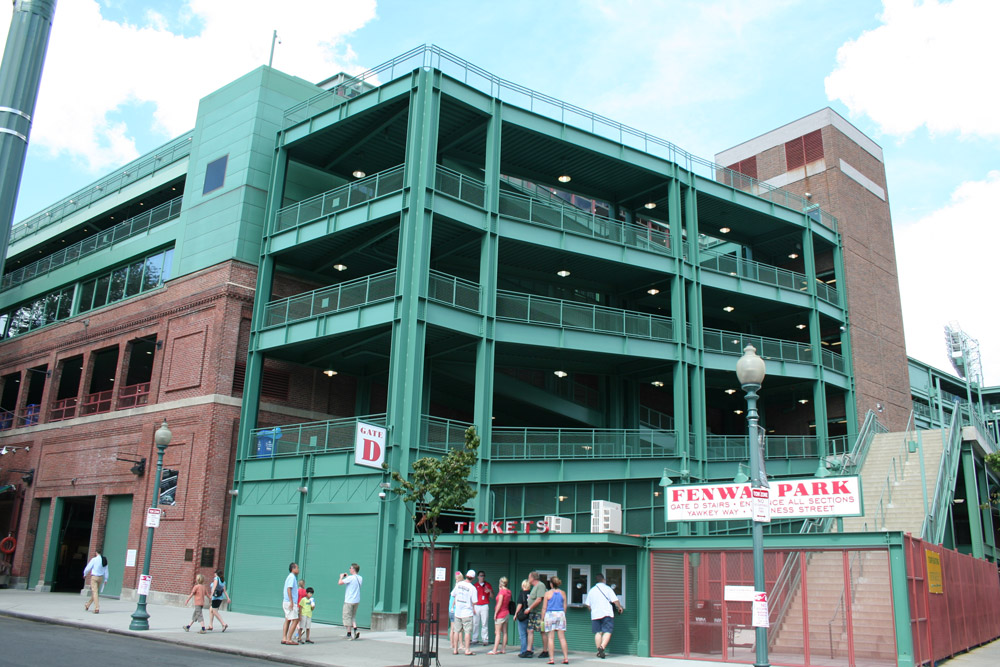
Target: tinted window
(215,174)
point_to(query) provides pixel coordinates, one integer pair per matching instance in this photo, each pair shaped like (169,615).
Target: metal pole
(20,77)
(274,38)
(140,617)
(757,481)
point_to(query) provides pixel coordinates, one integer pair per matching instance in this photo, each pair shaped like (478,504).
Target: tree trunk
(429,606)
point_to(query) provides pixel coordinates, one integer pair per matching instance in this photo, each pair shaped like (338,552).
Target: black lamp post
(750,372)
(140,617)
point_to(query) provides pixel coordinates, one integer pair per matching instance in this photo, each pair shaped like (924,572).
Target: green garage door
(263,548)
(116,541)
(41,530)
(333,542)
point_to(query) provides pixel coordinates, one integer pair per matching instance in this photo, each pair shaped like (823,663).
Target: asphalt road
(29,644)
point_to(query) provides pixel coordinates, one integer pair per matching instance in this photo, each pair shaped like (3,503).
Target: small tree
(436,486)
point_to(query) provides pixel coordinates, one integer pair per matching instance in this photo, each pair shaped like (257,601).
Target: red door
(442,589)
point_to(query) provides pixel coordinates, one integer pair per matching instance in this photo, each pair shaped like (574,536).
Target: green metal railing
(460,186)
(581,443)
(453,291)
(735,447)
(358,192)
(518,307)
(833,361)
(654,419)
(134,171)
(511,93)
(351,294)
(573,220)
(764,273)
(936,521)
(442,435)
(132,227)
(311,437)
(729,342)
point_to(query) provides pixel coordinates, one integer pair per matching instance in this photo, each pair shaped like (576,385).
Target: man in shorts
(352,597)
(535,598)
(600,599)
(289,604)
(465,597)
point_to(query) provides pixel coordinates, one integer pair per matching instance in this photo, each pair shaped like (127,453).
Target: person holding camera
(352,597)
(600,599)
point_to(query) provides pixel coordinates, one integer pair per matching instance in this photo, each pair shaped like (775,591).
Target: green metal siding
(36,553)
(116,541)
(333,542)
(264,546)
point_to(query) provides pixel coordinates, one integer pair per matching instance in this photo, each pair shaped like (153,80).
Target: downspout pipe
(20,77)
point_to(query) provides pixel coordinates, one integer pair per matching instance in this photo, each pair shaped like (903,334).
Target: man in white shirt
(352,597)
(290,604)
(97,568)
(465,597)
(600,599)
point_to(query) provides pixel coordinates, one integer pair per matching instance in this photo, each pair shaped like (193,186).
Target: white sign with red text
(761,504)
(789,498)
(369,445)
(758,616)
(145,582)
(153,517)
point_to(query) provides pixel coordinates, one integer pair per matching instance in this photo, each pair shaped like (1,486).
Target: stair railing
(895,476)
(944,489)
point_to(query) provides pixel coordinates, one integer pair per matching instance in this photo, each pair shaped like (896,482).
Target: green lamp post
(140,617)
(750,372)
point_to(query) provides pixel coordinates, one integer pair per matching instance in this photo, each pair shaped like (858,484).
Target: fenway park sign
(789,499)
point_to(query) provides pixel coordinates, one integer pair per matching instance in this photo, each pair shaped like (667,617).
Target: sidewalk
(259,637)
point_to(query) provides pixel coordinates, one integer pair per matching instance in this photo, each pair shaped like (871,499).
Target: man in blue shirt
(352,596)
(97,568)
(290,604)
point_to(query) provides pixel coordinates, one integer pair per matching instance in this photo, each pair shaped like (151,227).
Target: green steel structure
(449,248)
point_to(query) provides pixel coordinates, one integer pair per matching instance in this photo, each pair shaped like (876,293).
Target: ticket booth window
(614,577)
(579,584)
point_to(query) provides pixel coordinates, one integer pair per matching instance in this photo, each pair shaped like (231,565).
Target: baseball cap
(470,574)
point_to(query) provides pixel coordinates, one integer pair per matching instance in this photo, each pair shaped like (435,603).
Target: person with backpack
(521,615)
(97,568)
(218,594)
(505,607)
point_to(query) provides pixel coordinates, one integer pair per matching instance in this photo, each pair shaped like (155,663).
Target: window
(168,487)
(215,174)
(578,585)
(614,577)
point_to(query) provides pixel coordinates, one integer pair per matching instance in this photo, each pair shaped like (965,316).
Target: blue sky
(124,76)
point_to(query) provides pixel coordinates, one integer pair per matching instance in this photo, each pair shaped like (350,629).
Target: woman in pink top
(500,616)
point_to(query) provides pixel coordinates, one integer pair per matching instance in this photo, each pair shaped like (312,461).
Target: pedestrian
(554,613)
(300,593)
(600,599)
(500,617)
(535,598)
(521,616)
(465,597)
(481,610)
(306,606)
(199,593)
(288,605)
(218,594)
(352,596)
(97,568)
(452,637)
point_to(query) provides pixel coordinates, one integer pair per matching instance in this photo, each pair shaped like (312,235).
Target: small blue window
(215,174)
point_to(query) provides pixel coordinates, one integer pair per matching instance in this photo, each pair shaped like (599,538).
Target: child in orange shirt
(198,592)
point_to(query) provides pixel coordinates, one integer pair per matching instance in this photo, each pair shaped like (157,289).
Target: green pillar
(989,534)
(55,539)
(900,602)
(821,432)
(644,605)
(972,499)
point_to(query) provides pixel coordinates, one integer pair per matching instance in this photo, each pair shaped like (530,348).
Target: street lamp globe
(163,435)
(750,368)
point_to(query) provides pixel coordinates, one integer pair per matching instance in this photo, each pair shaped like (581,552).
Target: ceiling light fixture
(725,230)
(803,401)
(739,412)
(650,205)
(357,173)
(562,274)
(565,178)
(653,291)
(340,267)
(657,383)
(329,373)
(728,309)
(560,374)
(800,326)
(793,255)
(730,391)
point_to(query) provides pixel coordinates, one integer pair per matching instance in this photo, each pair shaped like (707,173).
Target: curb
(272,657)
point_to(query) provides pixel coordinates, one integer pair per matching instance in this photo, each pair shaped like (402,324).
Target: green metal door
(333,542)
(116,541)
(263,548)
(36,553)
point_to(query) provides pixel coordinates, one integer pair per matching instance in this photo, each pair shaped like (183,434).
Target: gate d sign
(369,445)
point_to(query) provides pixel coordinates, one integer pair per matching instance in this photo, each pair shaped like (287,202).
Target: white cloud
(961,234)
(96,67)
(929,64)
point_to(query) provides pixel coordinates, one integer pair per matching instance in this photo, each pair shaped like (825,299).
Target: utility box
(605,517)
(559,524)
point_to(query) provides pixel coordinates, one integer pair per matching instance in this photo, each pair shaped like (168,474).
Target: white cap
(471,574)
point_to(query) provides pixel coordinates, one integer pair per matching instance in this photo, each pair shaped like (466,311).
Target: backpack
(220,590)
(104,561)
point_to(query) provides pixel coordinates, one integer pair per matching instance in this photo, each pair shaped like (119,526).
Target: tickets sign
(788,499)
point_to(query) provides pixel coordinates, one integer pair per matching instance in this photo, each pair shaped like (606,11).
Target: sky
(124,76)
